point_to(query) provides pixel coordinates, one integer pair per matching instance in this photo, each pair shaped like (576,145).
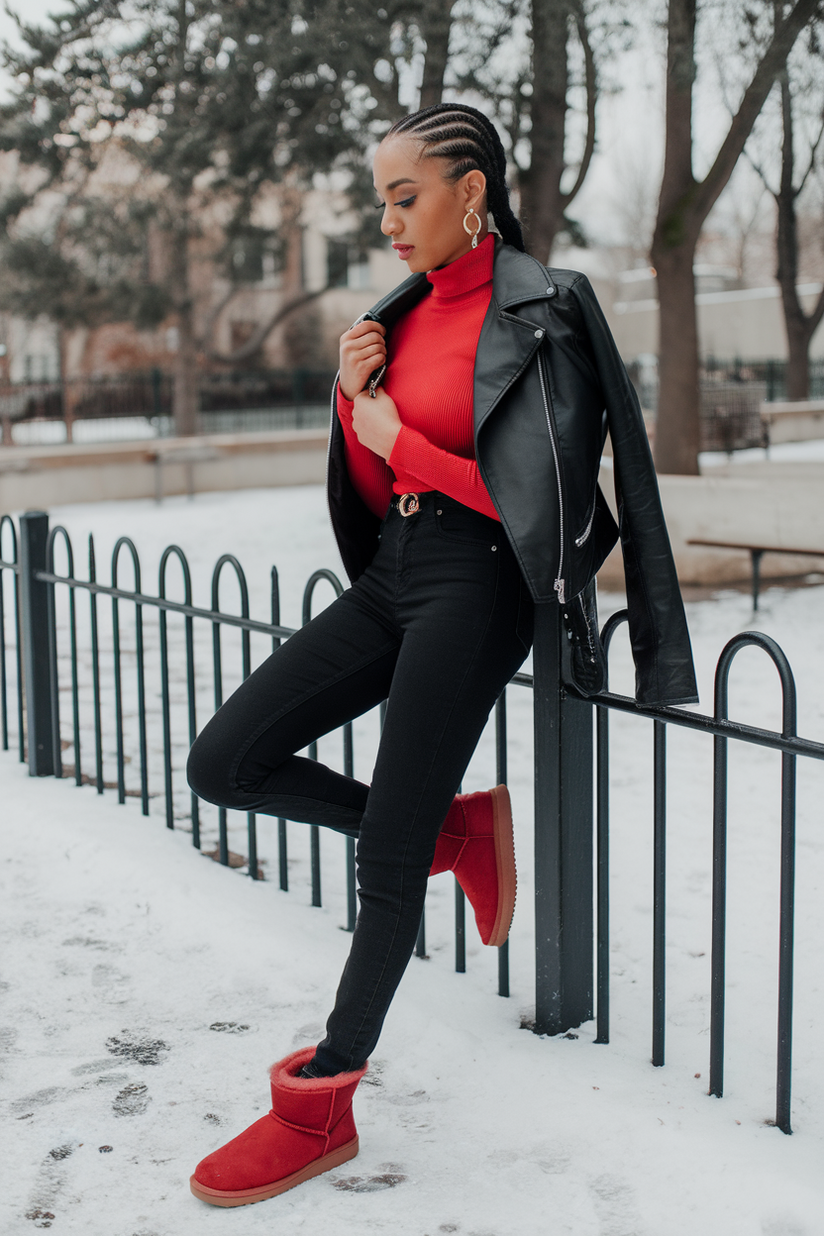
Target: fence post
(563,838)
(34,635)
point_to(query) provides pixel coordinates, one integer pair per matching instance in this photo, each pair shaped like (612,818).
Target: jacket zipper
(582,539)
(559,582)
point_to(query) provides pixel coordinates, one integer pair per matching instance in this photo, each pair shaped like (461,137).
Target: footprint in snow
(131,1100)
(136,1047)
(388,1175)
(37,1099)
(614,1202)
(50,1182)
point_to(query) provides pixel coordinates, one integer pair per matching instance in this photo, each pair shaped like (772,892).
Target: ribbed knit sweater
(429,376)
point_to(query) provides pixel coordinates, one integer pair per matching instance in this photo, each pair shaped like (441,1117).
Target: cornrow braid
(469,141)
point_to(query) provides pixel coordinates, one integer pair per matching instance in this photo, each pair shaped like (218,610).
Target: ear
(474,188)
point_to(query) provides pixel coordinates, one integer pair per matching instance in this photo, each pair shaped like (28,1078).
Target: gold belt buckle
(409,504)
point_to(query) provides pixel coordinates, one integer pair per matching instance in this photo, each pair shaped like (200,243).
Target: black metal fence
(731,393)
(45,659)
(229,402)
(771,372)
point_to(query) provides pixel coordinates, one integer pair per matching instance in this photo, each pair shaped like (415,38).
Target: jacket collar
(516,279)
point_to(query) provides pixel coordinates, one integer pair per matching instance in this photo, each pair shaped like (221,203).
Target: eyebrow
(404,180)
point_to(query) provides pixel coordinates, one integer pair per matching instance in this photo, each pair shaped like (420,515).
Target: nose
(389,222)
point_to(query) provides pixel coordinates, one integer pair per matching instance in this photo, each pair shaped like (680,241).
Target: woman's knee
(208,771)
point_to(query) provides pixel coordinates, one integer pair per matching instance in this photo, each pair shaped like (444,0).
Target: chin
(415,264)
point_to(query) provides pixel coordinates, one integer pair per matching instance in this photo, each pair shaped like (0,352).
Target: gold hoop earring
(470,212)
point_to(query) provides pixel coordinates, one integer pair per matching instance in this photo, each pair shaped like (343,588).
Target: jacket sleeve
(370,475)
(657,622)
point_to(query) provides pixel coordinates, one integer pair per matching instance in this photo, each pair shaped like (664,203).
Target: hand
(362,350)
(376,422)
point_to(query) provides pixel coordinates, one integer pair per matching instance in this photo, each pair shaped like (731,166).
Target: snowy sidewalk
(146,990)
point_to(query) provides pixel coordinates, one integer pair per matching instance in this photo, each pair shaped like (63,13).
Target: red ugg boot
(309,1130)
(476,843)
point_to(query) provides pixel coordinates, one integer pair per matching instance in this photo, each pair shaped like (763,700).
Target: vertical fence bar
(57,746)
(191,708)
(165,691)
(602,832)
(460,930)
(4,714)
(786,933)
(54,679)
(563,838)
(124,542)
(420,943)
(217,663)
(719,915)
(314,833)
(783,1087)
(118,701)
(165,702)
(95,642)
(602,835)
(34,534)
(659,896)
(351,881)
(15,569)
(283,856)
(501,778)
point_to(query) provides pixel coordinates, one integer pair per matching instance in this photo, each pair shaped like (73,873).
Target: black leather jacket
(548,384)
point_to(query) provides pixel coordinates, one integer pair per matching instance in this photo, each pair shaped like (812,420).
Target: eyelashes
(407,201)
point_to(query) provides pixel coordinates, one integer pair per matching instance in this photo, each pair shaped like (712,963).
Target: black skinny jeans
(437,626)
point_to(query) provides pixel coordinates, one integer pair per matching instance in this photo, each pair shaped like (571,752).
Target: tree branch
(784,36)
(592,98)
(814,318)
(265,329)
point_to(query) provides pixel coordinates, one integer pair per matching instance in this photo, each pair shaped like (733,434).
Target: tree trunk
(798,360)
(684,205)
(798,326)
(677,430)
(185,392)
(185,386)
(542,205)
(435,26)
(677,437)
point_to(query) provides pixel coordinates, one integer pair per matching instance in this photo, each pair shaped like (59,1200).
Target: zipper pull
(559,588)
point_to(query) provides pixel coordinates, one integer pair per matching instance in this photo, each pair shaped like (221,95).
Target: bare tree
(799,80)
(528,58)
(683,207)
(435,25)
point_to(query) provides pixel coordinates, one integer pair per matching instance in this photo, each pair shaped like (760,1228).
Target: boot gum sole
(243,1197)
(505,864)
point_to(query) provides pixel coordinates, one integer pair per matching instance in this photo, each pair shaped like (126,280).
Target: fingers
(364,328)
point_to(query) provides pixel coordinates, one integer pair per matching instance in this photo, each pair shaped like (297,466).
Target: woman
(468,422)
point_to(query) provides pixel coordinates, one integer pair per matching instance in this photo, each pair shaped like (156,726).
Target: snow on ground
(147,989)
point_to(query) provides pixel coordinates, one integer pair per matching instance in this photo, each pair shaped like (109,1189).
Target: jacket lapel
(506,345)
(507,342)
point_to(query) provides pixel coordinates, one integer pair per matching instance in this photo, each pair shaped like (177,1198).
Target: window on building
(257,256)
(347,265)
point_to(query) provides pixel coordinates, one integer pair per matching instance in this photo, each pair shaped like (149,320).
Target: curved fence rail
(571,960)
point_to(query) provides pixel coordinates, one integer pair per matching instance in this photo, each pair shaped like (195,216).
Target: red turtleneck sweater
(429,376)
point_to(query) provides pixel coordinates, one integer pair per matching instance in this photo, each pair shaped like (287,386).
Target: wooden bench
(756,553)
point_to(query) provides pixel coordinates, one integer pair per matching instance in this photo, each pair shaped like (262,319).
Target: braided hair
(469,142)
